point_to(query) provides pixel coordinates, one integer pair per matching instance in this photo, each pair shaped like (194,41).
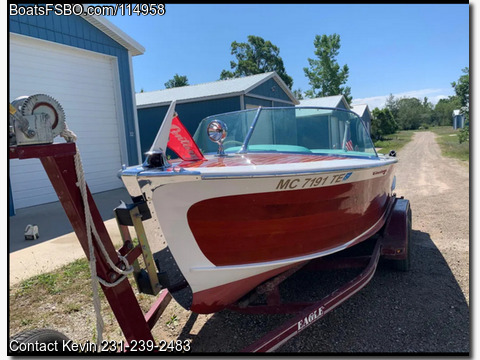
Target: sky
(405,49)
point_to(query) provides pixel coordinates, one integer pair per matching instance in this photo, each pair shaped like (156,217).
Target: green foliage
(383,123)
(256,57)
(298,94)
(449,143)
(47,281)
(56,282)
(410,113)
(394,141)
(325,75)
(392,105)
(462,90)
(464,134)
(173,321)
(177,81)
(442,113)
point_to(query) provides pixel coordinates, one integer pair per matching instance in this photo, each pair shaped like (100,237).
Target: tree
(442,113)
(427,113)
(383,123)
(325,75)
(177,81)
(410,113)
(392,105)
(256,57)
(298,94)
(462,90)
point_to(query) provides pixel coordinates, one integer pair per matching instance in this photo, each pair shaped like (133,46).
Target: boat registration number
(311,182)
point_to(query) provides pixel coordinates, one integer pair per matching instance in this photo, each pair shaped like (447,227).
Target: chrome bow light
(217,132)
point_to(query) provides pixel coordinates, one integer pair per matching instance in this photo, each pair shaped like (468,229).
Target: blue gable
(76,31)
(271,89)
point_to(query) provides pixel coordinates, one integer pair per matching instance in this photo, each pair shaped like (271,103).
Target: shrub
(464,134)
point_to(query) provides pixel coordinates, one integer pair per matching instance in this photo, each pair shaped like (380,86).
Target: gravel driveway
(423,311)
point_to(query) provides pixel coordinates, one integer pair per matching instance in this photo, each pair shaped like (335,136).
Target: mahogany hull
(231,228)
(277,225)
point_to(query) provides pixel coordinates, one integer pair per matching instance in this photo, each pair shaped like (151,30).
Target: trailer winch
(35,119)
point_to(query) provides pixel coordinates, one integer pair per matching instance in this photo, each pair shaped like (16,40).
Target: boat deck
(254,159)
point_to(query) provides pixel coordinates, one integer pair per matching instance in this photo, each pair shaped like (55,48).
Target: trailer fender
(396,236)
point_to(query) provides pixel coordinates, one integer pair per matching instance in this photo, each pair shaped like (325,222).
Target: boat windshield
(291,130)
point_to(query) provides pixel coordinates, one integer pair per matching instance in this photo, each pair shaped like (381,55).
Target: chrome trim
(142,181)
(177,171)
(217,132)
(276,174)
(394,182)
(243,149)
(151,154)
(149,183)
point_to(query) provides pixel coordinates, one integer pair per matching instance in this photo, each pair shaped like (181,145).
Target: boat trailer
(392,242)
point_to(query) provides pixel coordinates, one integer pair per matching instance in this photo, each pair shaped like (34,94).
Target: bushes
(464,134)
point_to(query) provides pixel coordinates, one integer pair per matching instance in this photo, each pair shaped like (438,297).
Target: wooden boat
(286,185)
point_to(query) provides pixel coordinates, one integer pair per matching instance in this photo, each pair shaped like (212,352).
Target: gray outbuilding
(364,113)
(458,119)
(339,102)
(335,101)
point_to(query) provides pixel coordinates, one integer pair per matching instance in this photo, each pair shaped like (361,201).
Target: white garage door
(86,84)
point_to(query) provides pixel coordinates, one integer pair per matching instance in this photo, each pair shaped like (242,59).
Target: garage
(87,96)
(93,84)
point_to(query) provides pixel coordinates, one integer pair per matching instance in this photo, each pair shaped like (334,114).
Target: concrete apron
(53,254)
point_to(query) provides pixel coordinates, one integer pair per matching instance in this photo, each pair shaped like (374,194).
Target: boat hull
(276,225)
(228,233)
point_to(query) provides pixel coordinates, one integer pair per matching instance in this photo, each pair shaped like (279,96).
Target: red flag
(182,143)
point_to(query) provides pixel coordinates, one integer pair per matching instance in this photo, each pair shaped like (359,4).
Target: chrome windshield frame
(243,149)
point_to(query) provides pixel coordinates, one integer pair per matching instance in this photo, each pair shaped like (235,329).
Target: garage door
(86,85)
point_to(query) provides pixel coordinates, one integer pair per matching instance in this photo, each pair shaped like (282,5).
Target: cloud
(433,95)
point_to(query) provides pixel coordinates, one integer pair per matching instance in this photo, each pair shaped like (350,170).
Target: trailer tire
(404,264)
(39,336)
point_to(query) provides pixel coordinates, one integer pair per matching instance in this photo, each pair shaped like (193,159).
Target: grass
(447,139)
(53,282)
(47,300)
(62,300)
(394,141)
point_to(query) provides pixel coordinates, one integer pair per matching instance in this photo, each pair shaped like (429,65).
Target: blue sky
(407,50)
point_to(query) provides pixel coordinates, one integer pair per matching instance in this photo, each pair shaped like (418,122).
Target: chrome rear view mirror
(217,132)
